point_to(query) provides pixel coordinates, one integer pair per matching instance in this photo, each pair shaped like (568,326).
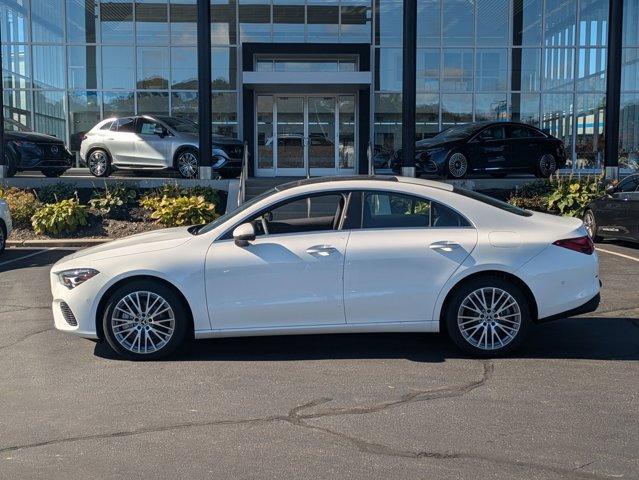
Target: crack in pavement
(297,418)
(26,337)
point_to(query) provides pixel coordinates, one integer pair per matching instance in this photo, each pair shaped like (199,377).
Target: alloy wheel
(187,164)
(547,165)
(489,318)
(98,163)
(457,165)
(143,322)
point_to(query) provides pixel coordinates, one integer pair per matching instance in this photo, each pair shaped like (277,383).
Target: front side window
(492,133)
(396,210)
(147,127)
(628,185)
(124,125)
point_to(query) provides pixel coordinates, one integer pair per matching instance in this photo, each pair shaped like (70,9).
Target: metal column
(613,88)
(204,86)
(409,95)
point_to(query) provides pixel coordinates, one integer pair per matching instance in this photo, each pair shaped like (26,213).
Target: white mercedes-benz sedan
(338,255)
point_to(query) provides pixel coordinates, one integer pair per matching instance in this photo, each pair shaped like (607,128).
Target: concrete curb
(63,242)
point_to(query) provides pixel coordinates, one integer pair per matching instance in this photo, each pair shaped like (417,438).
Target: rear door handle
(321,250)
(444,246)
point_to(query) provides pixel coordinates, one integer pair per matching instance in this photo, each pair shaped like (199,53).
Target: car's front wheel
(145,321)
(457,165)
(487,316)
(546,166)
(187,163)
(591,225)
(99,163)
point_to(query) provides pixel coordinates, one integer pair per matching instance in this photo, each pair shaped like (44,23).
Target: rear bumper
(590,306)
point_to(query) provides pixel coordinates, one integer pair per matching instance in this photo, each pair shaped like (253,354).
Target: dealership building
(378,73)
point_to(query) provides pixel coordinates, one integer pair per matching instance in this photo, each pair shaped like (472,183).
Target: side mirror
(159,131)
(244,234)
(610,189)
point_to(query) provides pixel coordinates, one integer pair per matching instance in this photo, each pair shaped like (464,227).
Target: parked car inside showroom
(496,148)
(30,151)
(155,142)
(616,214)
(5,224)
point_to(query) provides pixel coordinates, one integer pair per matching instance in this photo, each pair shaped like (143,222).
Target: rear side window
(395,210)
(123,125)
(106,126)
(493,202)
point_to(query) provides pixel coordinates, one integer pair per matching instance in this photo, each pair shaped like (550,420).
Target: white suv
(5,224)
(155,143)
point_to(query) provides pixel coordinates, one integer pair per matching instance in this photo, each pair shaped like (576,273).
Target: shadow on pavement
(592,338)
(14,259)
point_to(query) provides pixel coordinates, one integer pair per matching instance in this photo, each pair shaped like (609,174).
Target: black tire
(186,163)
(590,222)
(11,171)
(52,173)
(99,163)
(118,337)
(546,166)
(3,236)
(457,165)
(499,174)
(467,342)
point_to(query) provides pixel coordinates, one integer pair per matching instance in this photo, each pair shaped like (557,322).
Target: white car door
(291,275)
(397,263)
(151,149)
(120,140)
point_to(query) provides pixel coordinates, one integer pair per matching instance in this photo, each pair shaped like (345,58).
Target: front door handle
(445,246)
(321,250)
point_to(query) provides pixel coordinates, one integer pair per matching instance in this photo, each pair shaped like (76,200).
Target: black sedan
(27,150)
(497,148)
(616,214)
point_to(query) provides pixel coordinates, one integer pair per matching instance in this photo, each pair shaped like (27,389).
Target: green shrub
(22,205)
(571,195)
(538,188)
(538,203)
(63,216)
(173,190)
(177,211)
(113,202)
(56,192)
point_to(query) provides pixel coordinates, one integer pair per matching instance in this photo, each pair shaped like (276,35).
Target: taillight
(580,244)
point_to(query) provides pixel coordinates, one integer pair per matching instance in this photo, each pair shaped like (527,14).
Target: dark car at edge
(496,148)
(616,213)
(27,150)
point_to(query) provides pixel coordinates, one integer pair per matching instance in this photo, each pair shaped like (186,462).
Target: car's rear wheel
(99,163)
(590,223)
(144,321)
(457,165)
(186,163)
(487,316)
(546,166)
(52,173)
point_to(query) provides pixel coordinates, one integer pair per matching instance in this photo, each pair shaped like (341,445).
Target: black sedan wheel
(99,163)
(591,225)
(457,165)
(546,166)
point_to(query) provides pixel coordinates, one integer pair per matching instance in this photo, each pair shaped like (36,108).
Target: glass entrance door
(300,134)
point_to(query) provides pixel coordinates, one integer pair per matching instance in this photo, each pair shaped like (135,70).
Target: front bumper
(79,303)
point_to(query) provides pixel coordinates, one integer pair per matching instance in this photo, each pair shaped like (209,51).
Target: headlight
(21,144)
(73,278)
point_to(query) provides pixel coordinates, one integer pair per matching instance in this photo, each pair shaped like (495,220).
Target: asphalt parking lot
(343,406)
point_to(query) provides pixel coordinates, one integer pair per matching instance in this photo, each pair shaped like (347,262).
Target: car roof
(381,179)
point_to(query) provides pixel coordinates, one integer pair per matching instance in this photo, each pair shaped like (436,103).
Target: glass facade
(68,63)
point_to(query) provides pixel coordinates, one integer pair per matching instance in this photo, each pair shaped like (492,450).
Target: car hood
(31,137)
(141,243)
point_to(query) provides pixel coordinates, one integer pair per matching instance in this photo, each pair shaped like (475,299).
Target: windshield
(10,125)
(229,215)
(493,202)
(458,131)
(180,124)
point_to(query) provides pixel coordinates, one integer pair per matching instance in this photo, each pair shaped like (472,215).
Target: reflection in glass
(526,69)
(388,69)
(589,123)
(48,66)
(83,68)
(184,105)
(356,23)
(427,70)
(153,68)
(630,69)
(457,70)
(492,22)
(491,69)
(224,118)
(389,22)
(388,122)
(456,108)
(561,17)
(223,68)
(556,117)
(184,68)
(153,103)
(116,22)
(118,69)
(428,23)
(290,132)
(49,113)
(593,22)
(346,109)
(152,26)
(630,32)
(84,113)
(47,22)
(458,23)
(223,31)
(17,106)
(591,69)
(255,22)
(491,107)
(427,115)
(265,132)
(629,132)
(321,132)
(525,108)
(82,21)
(558,69)
(118,104)
(288,23)
(527,21)
(183,23)
(322,23)
(14,16)
(15,66)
